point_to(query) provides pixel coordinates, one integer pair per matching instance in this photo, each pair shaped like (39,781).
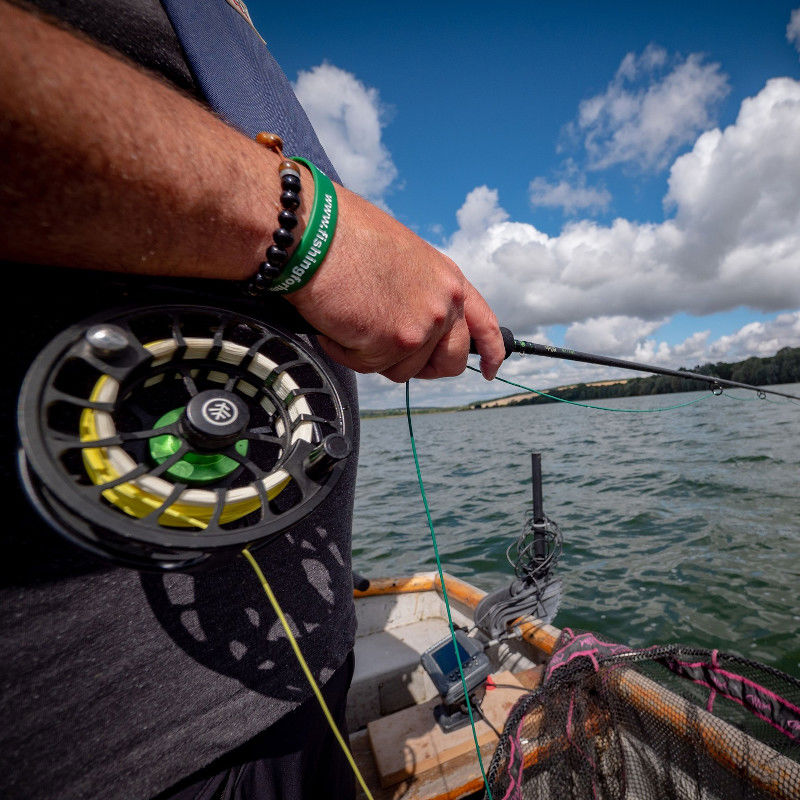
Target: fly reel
(171,437)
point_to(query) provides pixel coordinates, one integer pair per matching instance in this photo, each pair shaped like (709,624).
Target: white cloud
(793,29)
(734,239)
(610,335)
(646,115)
(569,197)
(757,339)
(348,117)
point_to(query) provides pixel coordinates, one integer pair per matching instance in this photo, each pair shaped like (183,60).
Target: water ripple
(680,526)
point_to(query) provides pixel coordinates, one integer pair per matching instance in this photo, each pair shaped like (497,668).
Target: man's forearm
(106,167)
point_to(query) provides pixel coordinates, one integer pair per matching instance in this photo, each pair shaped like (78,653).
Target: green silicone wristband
(316,238)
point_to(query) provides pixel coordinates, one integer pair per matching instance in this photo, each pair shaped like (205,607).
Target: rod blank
(514,345)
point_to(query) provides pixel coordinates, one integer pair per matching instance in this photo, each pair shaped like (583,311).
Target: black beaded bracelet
(277,254)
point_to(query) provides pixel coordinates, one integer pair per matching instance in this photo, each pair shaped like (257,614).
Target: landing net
(614,723)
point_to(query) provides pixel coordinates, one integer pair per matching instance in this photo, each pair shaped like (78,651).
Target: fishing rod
(514,345)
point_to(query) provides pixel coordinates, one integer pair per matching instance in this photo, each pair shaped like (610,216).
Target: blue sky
(618,177)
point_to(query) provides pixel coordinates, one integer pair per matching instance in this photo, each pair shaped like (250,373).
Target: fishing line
(597,408)
(304,666)
(444,588)
(756,399)
(742,399)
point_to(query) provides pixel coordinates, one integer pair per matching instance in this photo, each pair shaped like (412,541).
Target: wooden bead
(288,166)
(270,140)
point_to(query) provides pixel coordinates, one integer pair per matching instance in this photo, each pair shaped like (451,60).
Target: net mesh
(610,723)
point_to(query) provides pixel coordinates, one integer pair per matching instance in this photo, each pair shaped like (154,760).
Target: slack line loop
(444,587)
(513,345)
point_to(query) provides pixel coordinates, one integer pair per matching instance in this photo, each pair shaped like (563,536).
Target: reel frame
(84,398)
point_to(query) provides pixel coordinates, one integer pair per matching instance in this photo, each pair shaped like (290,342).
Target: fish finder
(441,664)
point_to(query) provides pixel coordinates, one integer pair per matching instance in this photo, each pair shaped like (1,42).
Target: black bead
(287,219)
(268,272)
(290,183)
(282,238)
(290,200)
(277,256)
(257,285)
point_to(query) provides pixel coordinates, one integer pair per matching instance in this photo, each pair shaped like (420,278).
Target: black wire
(527,564)
(477,705)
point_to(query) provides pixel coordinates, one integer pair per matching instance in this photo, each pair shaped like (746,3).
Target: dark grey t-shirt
(116,684)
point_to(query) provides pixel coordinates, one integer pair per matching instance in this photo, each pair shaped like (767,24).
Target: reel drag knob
(214,419)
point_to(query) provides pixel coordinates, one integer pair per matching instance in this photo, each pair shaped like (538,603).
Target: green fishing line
(444,588)
(743,399)
(597,408)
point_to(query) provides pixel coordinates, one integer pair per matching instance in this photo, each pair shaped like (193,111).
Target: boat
(400,618)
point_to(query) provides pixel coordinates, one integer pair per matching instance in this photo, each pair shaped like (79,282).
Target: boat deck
(463,775)
(397,621)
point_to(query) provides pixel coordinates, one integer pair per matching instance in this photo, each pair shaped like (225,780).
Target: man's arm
(105,167)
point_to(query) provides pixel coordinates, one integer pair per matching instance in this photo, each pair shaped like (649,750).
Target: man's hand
(388,302)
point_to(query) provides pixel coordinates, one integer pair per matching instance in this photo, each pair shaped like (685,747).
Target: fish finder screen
(445,657)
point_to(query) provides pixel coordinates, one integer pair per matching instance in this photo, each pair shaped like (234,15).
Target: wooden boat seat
(462,776)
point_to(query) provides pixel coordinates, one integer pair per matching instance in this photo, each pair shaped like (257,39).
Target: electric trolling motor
(534,593)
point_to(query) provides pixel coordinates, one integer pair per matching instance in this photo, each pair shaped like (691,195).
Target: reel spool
(171,437)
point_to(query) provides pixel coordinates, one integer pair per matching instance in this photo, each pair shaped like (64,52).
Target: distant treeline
(783,367)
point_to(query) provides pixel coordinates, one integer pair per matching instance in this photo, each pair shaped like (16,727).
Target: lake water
(679,526)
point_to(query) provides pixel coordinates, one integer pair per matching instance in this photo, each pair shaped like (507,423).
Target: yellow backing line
(293,642)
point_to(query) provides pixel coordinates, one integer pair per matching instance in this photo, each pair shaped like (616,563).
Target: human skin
(106,167)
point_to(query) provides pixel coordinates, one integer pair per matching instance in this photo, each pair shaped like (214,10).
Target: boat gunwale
(768,768)
(541,635)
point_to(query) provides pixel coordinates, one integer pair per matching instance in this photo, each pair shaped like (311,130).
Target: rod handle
(508,342)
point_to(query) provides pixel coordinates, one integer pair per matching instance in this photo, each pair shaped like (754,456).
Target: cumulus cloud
(757,339)
(610,335)
(637,343)
(348,118)
(569,197)
(733,239)
(793,29)
(654,105)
